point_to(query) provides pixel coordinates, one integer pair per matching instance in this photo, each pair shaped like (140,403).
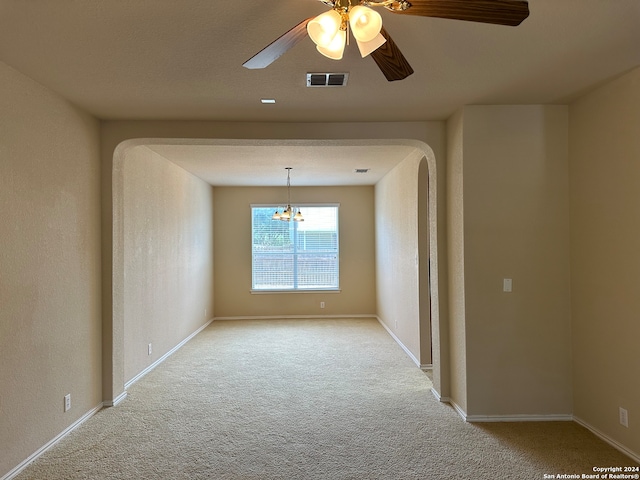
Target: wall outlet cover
(624,417)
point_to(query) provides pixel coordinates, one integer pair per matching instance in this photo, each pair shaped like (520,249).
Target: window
(295,255)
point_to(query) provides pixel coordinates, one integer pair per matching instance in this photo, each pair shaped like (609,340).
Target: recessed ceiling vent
(362,170)
(327,79)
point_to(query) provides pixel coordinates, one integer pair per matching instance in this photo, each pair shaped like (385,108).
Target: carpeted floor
(305,399)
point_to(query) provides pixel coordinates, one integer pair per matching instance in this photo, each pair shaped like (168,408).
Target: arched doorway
(429,317)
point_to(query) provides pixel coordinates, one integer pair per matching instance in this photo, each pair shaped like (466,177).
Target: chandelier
(288,213)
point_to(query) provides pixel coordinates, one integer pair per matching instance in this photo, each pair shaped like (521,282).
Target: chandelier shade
(365,23)
(324,28)
(371,46)
(335,49)
(330,31)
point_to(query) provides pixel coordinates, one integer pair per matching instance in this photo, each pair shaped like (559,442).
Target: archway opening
(426,256)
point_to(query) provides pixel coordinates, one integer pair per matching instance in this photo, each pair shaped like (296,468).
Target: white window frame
(302,207)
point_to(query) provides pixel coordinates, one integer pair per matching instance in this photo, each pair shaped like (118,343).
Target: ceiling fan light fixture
(371,46)
(365,23)
(335,49)
(324,28)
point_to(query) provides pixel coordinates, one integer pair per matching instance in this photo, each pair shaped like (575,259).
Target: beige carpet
(305,399)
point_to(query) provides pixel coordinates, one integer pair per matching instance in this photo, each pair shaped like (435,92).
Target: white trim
(164,357)
(617,445)
(266,291)
(439,397)
(115,401)
(538,418)
(51,443)
(402,345)
(502,418)
(296,317)
(518,418)
(297,204)
(458,409)
(506,418)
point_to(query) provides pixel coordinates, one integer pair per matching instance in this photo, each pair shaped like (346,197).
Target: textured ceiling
(312,165)
(170,59)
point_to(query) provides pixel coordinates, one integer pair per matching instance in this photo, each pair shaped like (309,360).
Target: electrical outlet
(321,304)
(67,402)
(150,349)
(624,417)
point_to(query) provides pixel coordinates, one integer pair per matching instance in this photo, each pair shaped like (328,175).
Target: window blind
(295,255)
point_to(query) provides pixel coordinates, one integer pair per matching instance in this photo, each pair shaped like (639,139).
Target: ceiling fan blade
(390,60)
(278,47)
(499,12)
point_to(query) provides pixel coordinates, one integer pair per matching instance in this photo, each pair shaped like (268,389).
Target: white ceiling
(182,59)
(265,165)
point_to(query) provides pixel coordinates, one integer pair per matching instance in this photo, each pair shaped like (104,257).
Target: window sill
(270,292)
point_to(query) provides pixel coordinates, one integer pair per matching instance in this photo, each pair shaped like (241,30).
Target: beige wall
(516,225)
(50,342)
(232,240)
(397,261)
(510,352)
(168,257)
(52,182)
(605,263)
(455,255)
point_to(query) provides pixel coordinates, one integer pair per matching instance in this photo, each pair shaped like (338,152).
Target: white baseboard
(297,317)
(518,418)
(52,442)
(538,418)
(162,359)
(92,412)
(618,446)
(115,401)
(458,409)
(505,418)
(439,397)
(402,345)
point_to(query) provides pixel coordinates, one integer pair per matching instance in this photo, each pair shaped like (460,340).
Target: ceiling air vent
(327,79)
(362,170)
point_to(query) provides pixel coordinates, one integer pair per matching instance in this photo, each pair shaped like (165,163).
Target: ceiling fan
(330,30)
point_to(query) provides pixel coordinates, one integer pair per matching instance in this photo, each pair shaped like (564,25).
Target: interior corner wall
(232,240)
(168,257)
(50,320)
(425,265)
(605,263)
(397,260)
(455,261)
(516,225)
